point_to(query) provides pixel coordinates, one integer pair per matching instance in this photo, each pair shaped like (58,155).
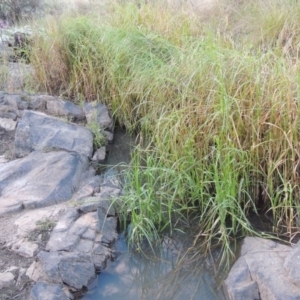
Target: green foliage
(217,110)
(99,138)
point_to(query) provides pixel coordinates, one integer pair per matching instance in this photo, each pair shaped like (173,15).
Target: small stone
(8,124)
(35,272)
(98,112)
(6,279)
(12,269)
(99,155)
(26,249)
(109,136)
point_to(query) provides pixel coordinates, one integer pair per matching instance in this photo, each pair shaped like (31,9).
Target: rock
(6,279)
(259,272)
(292,265)
(100,256)
(90,204)
(85,236)
(35,272)
(88,186)
(37,131)
(67,220)
(38,102)
(67,238)
(8,124)
(98,112)
(12,269)
(25,248)
(62,108)
(107,228)
(28,222)
(108,136)
(39,180)
(76,269)
(15,101)
(45,291)
(99,156)
(7,113)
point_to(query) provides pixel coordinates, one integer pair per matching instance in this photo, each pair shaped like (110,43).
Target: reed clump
(214,95)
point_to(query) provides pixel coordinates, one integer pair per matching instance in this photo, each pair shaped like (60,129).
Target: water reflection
(134,276)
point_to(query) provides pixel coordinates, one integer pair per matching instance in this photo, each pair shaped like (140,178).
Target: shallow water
(137,276)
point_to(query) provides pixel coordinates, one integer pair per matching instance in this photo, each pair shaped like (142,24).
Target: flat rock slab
(37,131)
(44,291)
(40,179)
(259,273)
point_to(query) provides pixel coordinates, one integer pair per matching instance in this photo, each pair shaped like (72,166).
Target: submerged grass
(213,94)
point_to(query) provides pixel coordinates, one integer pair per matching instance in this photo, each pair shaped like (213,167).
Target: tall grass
(214,96)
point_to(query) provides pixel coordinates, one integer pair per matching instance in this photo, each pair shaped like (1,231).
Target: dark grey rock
(99,113)
(259,272)
(90,204)
(8,114)
(37,131)
(45,291)
(75,268)
(63,108)
(100,256)
(38,102)
(40,179)
(15,101)
(107,227)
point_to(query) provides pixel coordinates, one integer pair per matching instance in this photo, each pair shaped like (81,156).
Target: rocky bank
(58,223)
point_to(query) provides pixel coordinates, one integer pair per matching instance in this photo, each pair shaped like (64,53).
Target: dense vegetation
(213,94)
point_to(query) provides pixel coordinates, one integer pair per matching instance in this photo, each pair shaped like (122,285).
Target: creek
(166,273)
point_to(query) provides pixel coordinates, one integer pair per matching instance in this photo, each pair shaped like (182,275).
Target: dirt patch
(21,289)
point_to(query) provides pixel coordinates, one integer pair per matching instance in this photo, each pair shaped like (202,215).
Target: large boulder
(37,131)
(40,179)
(265,270)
